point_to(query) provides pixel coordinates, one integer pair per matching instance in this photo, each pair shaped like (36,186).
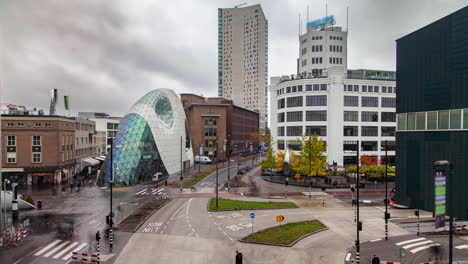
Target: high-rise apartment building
(243,58)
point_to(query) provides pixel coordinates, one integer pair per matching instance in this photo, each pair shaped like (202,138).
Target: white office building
(342,106)
(106,129)
(243,58)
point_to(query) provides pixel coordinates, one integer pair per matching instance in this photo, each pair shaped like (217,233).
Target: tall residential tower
(243,58)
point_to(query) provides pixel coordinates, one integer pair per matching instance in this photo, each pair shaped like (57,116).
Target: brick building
(38,149)
(212,119)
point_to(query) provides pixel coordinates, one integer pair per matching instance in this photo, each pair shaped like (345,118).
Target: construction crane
(241,4)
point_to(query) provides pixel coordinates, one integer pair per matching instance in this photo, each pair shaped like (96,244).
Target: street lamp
(111,213)
(387,216)
(216,144)
(199,157)
(228,153)
(286,187)
(358,223)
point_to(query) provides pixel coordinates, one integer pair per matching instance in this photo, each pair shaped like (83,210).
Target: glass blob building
(152,138)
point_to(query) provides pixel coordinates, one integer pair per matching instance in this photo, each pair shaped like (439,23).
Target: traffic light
(107,219)
(387,215)
(416,213)
(360,226)
(238,257)
(375,260)
(98,236)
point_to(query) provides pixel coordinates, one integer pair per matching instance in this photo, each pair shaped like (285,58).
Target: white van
(202,159)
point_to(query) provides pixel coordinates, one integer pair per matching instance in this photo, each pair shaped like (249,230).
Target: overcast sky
(107,54)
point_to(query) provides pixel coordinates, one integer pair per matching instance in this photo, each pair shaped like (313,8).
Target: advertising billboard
(440,197)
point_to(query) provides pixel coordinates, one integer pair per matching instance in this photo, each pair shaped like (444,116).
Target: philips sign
(329,20)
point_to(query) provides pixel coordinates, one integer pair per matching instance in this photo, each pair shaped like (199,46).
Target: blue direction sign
(252,215)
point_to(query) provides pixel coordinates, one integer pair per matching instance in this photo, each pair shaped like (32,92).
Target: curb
(148,216)
(228,210)
(282,245)
(300,185)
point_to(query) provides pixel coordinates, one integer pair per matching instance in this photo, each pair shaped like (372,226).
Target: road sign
(297,176)
(279,218)
(252,215)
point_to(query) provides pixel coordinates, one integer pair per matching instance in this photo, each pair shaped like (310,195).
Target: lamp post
(286,187)
(228,153)
(199,156)
(216,144)
(181,169)
(111,213)
(386,192)
(358,223)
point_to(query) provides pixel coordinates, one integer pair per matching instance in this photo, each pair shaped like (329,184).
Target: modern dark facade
(432,112)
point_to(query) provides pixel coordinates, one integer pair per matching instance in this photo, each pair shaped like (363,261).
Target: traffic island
(233,205)
(285,235)
(137,218)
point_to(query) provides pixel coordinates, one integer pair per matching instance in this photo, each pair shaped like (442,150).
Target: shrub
(30,200)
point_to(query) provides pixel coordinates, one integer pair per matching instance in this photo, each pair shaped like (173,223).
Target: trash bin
(39,204)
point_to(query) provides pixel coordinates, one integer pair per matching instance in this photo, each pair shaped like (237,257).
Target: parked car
(202,159)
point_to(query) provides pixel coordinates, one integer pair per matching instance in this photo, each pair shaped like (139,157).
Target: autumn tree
(368,160)
(312,161)
(279,158)
(269,162)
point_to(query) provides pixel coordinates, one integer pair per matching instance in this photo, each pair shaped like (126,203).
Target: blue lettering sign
(329,20)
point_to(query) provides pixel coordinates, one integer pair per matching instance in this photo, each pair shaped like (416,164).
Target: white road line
(46,248)
(76,250)
(231,238)
(375,240)
(188,205)
(19,260)
(379,208)
(56,248)
(65,250)
(409,241)
(348,256)
(172,217)
(219,228)
(461,246)
(196,234)
(418,244)
(142,191)
(423,247)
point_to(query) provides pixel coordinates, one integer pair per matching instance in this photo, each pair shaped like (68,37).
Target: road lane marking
(56,248)
(461,246)
(348,256)
(46,248)
(375,240)
(424,247)
(418,244)
(409,241)
(140,192)
(65,250)
(76,250)
(172,217)
(379,208)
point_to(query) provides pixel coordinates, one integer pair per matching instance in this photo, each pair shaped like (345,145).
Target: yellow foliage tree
(279,157)
(312,161)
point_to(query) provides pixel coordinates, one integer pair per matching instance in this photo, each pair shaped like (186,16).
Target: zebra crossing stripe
(56,248)
(424,247)
(76,250)
(409,241)
(46,248)
(418,244)
(65,250)
(142,191)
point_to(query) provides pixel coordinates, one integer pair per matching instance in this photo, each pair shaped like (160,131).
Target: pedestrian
(323,201)
(71,187)
(79,185)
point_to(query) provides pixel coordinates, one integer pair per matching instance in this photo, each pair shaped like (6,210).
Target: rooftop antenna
(241,4)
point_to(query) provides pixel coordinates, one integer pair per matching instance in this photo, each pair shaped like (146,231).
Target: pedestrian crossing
(151,191)
(417,244)
(60,249)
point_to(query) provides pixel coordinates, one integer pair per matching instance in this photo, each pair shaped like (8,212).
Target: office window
(210,121)
(368,101)
(294,145)
(369,116)
(410,121)
(351,116)
(316,115)
(281,103)
(288,89)
(316,100)
(316,87)
(344,87)
(294,131)
(320,59)
(323,87)
(401,121)
(299,88)
(369,131)
(319,130)
(36,140)
(294,101)
(313,61)
(421,121)
(390,89)
(11,157)
(281,144)
(309,87)
(10,124)
(387,117)
(209,143)
(443,119)
(455,119)
(349,88)
(376,89)
(384,89)
(280,117)
(294,116)
(465,118)
(351,101)
(20,124)
(390,146)
(294,89)
(330,59)
(350,131)
(350,146)
(48,125)
(364,88)
(370,89)
(388,102)
(280,131)
(431,120)
(36,157)
(11,140)
(37,125)
(387,131)
(369,145)
(313,49)
(210,132)
(356,88)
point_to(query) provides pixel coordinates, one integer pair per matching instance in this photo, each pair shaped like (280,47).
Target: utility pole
(111,213)
(199,157)
(216,143)
(228,153)
(358,223)
(387,216)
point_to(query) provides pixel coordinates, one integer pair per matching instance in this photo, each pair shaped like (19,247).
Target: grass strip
(227,204)
(285,234)
(196,179)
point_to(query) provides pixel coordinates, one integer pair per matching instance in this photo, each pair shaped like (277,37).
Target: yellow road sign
(279,218)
